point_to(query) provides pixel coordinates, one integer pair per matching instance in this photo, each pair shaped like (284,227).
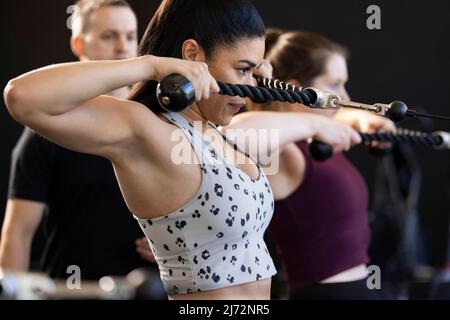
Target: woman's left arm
(364,121)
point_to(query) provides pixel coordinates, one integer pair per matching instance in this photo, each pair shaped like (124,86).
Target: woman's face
(232,64)
(333,80)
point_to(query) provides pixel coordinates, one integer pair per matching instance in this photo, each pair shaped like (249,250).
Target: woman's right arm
(64,103)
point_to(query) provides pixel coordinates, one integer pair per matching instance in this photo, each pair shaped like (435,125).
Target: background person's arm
(364,121)
(22,218)
(143,249)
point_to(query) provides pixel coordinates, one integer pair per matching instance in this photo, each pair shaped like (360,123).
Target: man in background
(87,224)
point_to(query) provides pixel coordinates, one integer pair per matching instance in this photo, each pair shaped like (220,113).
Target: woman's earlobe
(192,51)
(77,47)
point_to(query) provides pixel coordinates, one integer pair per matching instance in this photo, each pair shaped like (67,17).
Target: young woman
(190,210)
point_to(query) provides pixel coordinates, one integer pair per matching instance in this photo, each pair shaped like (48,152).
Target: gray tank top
(216,239)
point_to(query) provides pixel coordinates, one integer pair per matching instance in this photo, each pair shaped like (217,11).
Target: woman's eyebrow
(250,63)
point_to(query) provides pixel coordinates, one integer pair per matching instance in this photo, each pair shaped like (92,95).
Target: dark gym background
(408,59)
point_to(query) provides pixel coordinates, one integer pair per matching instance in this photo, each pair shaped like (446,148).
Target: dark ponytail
(211,23)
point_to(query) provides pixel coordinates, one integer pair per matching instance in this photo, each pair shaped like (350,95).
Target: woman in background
(319,226)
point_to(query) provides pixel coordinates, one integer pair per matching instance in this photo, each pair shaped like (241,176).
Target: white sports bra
(216,239)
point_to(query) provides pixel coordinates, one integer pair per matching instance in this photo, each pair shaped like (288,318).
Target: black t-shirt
(87,222)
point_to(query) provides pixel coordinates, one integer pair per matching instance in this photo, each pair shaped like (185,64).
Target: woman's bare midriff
(257,290)
(353,274)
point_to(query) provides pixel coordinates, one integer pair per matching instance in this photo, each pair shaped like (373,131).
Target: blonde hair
(83,10)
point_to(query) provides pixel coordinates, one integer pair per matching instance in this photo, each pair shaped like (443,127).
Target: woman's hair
(300,55)
(211,23)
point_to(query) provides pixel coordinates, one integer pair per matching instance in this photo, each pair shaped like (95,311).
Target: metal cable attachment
(326,100)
